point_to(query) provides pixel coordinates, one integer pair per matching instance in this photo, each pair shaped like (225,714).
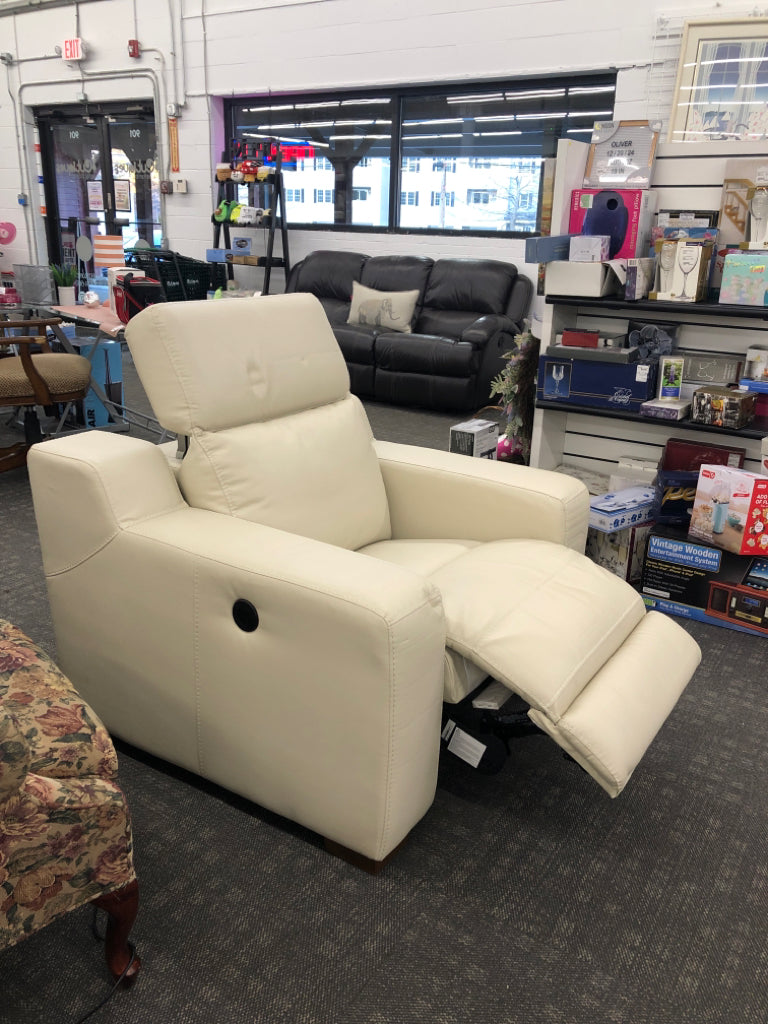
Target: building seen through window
(463,158)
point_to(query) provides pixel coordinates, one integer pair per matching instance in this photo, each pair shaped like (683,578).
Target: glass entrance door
(101,183)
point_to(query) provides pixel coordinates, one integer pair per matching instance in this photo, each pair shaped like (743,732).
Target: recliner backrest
(460,291)
(262,391)
(329,275)
(398,274)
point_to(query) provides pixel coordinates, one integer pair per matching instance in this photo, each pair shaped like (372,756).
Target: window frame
(399,161)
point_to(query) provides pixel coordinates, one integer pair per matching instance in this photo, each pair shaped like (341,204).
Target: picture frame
(621,154)
(671,376)
(721,92)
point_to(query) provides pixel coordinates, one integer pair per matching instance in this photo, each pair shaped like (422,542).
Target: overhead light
(494,97)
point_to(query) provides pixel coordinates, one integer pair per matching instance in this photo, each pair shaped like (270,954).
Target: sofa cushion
(397,273)
(445,323)
(424,354)
(356,342)
(328,274)
(469,284)
(390,310)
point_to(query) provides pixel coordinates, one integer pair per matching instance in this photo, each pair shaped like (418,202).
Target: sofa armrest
(441,494)
(15,756)
(482,331)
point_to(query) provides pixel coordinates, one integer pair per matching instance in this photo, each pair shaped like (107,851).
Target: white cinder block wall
(197,52)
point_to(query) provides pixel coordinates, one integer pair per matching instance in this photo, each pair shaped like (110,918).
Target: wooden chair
(30,380)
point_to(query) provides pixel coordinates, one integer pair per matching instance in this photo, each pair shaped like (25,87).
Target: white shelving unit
(686,177)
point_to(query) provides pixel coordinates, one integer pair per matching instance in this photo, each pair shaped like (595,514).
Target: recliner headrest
(217,364)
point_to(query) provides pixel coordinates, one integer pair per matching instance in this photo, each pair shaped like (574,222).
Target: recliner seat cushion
(422,354)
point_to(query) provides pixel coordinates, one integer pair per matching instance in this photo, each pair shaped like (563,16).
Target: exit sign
(73,49)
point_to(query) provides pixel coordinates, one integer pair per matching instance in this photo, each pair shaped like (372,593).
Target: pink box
(624,214)
(731,510)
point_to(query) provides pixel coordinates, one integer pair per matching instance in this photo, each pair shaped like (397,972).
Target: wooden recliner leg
(121,907)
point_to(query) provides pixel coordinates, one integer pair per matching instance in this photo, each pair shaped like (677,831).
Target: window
(480,196)
(294,195)
(381,149)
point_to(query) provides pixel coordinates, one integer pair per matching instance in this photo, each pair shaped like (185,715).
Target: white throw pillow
(392,310)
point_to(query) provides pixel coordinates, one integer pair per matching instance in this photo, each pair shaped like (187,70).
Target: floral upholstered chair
(65,833)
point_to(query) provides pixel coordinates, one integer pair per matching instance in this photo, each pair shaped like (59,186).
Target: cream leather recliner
(286,612)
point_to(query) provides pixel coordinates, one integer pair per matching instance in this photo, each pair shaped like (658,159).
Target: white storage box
(478,438)
(591,280)
(619,509)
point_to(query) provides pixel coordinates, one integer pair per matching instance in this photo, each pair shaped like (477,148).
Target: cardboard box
(625,215)
(700,368)
(620,509)
(640,276)
(666,408)
(730,510)
(601,385)
(590,248)
(591,280)
(745,279)
(678,476)
(621,552)
(580,339)
(106,370)
(697,581)
(687,280)
(478,438)
(547,248)
(722,407)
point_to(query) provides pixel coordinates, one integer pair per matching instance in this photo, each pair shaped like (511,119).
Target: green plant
(516,386)
(64,275)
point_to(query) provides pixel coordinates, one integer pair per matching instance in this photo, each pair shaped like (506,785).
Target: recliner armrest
(436,494)
(481,331)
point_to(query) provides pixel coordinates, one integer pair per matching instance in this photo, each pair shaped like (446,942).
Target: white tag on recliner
(466,747)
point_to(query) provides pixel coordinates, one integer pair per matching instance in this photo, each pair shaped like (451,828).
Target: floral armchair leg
(65,831)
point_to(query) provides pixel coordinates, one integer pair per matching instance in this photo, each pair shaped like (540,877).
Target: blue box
(106,370)
(547,248)
(619,386)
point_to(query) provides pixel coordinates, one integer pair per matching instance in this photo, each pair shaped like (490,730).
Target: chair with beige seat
(286,613)
(28,381)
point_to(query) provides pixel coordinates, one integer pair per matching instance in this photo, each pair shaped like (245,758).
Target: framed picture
(722,81)
(621,154)
(671,376)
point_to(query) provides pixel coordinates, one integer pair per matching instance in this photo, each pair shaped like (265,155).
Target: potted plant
(65,277)
(516,386)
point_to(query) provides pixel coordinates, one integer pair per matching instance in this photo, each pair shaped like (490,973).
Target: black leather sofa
(465,319)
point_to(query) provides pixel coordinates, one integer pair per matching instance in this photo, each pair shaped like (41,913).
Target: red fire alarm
(133,48)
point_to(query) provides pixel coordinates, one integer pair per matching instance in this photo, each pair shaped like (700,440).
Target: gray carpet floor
(528,897)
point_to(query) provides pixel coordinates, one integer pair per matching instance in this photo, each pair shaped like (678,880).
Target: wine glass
(687,259)
(558,372)
(666,264)
(758,209)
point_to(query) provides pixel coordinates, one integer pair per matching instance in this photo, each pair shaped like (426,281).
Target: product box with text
(731,510)
(625,215)
(693,580)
